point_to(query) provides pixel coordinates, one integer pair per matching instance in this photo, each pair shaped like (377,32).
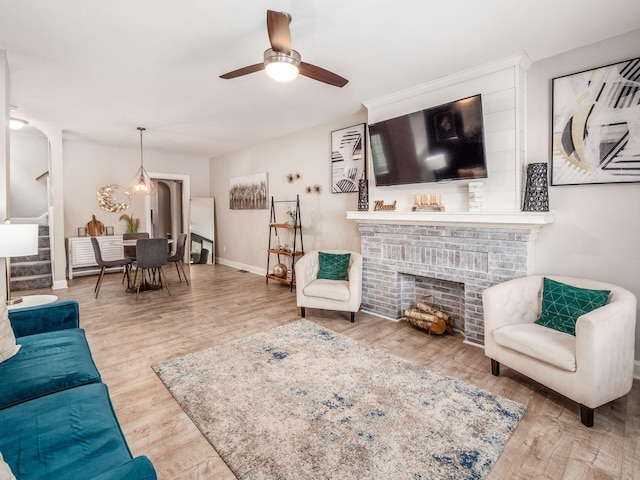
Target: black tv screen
(433,145)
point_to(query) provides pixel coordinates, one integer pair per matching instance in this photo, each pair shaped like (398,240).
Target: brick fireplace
(453,257)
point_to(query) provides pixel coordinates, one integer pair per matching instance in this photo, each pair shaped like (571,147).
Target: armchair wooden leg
(586,415)
(495,368)
(353,317)
(302,312)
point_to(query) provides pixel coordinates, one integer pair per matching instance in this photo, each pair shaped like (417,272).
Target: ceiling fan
(281,62)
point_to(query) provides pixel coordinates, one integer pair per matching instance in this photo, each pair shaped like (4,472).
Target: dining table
(132,242)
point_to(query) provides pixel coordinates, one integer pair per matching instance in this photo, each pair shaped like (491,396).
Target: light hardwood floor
(223,304)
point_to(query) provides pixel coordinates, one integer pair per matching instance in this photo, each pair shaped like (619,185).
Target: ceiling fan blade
(322,75)
(279,33)
(243,71)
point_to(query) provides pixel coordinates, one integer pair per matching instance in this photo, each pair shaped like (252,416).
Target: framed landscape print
(248,192)
(596,126)
(348,158)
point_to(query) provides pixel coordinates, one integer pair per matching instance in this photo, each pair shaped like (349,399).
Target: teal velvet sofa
(55,413)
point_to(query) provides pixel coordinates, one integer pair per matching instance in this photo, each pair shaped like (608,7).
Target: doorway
(167,212)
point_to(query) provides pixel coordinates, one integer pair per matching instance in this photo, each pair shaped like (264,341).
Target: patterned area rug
(303,402)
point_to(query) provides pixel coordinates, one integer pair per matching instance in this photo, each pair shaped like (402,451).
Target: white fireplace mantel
(488,219)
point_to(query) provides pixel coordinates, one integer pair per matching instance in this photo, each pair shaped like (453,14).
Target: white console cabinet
(81,259)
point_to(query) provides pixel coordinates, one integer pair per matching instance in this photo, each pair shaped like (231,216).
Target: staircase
(33,272)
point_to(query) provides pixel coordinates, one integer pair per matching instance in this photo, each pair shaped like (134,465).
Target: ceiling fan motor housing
(271,56)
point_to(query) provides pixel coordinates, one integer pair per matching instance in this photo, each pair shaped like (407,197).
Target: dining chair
(178,256)
(151,256)
(131,251)
(104,264)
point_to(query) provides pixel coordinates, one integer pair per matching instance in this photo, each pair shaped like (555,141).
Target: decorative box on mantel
(454,254)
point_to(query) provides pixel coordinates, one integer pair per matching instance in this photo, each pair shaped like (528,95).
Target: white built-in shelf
(513,219)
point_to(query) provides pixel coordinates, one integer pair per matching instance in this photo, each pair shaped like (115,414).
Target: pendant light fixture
(141,183)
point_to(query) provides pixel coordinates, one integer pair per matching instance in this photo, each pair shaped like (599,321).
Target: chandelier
(141,183)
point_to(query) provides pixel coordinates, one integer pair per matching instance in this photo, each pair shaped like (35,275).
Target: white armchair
(328,294)
(592,368)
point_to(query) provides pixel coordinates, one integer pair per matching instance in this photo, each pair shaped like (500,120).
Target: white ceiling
(99,69)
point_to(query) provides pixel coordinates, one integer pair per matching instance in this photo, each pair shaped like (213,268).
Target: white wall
(596,230)
(4,154)
(29,160)
(242,236)
(87,167)
(501,84)
(597,227)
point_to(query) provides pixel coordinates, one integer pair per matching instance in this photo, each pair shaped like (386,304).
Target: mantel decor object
(427,202)
(476,196)
(536,194)
(380,205)
(363,195)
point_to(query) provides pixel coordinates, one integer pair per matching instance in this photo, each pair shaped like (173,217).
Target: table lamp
(17,240)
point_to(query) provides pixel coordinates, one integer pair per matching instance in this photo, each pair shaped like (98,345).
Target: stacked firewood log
(427,317)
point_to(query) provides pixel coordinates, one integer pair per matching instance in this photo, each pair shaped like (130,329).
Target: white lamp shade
(18,240)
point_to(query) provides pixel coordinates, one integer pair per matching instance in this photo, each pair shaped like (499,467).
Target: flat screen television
(433,145)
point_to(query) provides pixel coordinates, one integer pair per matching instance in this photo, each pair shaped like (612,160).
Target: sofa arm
(45,318)
(605,344)
(139,468)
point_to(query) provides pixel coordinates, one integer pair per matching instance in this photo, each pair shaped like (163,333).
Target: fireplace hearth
(454,263)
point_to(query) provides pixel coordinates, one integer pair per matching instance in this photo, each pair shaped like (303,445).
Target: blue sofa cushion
(140,468)
(70,434)
(45,318)
(46,363)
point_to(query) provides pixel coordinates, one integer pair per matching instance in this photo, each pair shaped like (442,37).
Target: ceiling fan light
(280,66)
(16,123)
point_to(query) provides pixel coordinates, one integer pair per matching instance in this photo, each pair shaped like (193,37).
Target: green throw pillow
(334,266)
(562,304)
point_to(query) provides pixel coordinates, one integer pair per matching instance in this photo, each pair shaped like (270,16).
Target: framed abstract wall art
(248,192)
(348,158)
(596,125)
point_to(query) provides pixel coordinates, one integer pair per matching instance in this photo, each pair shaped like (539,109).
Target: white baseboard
(381,316)
(636,370)
(241,266)
(473,344)
(59,285)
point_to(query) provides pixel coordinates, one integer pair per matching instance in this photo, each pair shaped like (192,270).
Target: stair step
(32,282)
(43,242)
(34,271)
(25,269)
(43,254)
